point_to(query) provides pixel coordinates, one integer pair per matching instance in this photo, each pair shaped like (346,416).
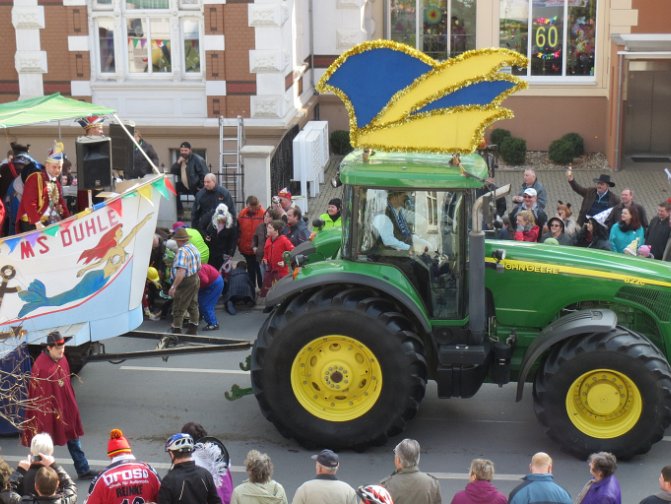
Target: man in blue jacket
(539,485)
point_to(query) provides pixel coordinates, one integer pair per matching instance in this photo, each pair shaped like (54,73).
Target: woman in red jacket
(276,245)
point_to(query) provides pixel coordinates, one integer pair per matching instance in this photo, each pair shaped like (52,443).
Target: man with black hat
(52,405)
(185,284)
(125,479)
(325,487)
(595,199)
(12,166)
(190,169)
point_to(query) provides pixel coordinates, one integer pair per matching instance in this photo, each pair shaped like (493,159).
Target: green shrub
(561,151)
(576,141)
(513,150)
(339,141)
(498,135)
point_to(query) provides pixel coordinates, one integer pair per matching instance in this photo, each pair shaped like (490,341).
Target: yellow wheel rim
(336,378)
(604,404)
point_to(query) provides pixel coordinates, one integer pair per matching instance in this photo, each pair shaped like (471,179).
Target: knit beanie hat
(117,444)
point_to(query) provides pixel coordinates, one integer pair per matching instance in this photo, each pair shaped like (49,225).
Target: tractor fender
(284,289)
(594,320)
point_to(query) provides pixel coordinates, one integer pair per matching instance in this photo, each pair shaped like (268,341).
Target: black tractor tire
(339,314)
(605,379)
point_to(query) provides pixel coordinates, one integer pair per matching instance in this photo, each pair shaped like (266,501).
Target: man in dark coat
(664,496)
(190,169)
(658,233)
(594,199)
(626,201)
(52,403)
(220,236)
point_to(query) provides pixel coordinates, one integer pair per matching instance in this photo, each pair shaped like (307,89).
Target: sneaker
(88,475)
(230,308)
(154,316)
(211,327)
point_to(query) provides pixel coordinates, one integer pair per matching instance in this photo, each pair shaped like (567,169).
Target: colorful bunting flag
(116,205)
(146,192)
(160,186)
(168,184)
(51,230)
(12,243)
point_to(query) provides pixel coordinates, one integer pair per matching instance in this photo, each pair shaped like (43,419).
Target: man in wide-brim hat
(185,283)
(595,199)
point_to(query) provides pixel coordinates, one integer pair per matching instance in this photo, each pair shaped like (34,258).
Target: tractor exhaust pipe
(476,286)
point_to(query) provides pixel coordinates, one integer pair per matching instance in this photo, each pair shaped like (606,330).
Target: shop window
(558,36)
(439,28)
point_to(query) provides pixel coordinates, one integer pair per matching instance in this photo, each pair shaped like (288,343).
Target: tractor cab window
(418,232)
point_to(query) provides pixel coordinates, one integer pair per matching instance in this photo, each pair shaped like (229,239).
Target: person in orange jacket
(249,219)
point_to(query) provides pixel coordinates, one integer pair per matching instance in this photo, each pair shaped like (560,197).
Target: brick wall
(9,85)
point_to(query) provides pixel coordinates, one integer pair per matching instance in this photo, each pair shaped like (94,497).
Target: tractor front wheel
(338,368)
(605,392)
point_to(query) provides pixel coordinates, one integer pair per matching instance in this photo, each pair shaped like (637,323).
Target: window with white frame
(558,36)
(439,28)
(147,38)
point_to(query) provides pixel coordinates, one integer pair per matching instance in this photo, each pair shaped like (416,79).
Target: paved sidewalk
(648,181)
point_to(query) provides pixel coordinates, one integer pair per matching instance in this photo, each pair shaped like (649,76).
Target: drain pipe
(476,286)
(618,113)
(311,17)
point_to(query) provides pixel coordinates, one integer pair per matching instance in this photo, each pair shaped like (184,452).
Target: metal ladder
(231,173)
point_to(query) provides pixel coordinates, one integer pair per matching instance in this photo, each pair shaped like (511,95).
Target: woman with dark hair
(259,488)
(593,235)
(627,230)
(603,487)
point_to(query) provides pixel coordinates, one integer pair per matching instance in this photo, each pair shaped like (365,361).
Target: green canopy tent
(45,109)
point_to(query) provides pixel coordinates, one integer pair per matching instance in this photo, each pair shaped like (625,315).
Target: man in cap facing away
(325,487)
(114,486)
(407,484)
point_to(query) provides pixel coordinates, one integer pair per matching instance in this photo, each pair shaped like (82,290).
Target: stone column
(256,162)
(30,61)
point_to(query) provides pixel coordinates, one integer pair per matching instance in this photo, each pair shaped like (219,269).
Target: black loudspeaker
(94,163)
(122,149)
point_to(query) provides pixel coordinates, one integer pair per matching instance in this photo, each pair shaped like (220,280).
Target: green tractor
(353,337)
(416,293)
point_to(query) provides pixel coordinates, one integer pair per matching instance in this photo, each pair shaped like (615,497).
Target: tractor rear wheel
(605,392)
(338,367)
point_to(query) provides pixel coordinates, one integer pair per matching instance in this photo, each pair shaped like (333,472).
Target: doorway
(647,107)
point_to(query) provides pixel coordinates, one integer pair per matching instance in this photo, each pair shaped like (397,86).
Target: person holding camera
(22,480)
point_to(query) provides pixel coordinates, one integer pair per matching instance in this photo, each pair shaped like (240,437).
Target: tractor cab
(421,232)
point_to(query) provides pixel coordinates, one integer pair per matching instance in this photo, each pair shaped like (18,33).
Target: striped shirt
(187,258)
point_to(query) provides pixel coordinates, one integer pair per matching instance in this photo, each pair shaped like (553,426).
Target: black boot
(191,329)
(175,330)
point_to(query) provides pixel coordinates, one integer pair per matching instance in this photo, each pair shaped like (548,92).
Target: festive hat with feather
(56,154)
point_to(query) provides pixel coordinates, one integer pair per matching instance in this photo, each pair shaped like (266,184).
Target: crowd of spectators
(605,221)
(200,474)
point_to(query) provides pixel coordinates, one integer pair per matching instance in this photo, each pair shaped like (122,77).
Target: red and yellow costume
(39,196)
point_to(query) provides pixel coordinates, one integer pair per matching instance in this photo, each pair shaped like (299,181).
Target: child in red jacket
(276,245)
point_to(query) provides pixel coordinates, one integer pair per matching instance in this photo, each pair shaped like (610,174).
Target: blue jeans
(207,300)
(78,457)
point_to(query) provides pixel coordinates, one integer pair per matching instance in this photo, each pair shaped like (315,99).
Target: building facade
(599,68)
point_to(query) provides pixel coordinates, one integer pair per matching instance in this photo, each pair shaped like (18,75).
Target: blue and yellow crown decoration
(399,99)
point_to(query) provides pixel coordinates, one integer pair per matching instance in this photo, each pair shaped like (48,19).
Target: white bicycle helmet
(374,494)
(179,442)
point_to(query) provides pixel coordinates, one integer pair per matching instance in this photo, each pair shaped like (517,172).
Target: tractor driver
(392,226)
